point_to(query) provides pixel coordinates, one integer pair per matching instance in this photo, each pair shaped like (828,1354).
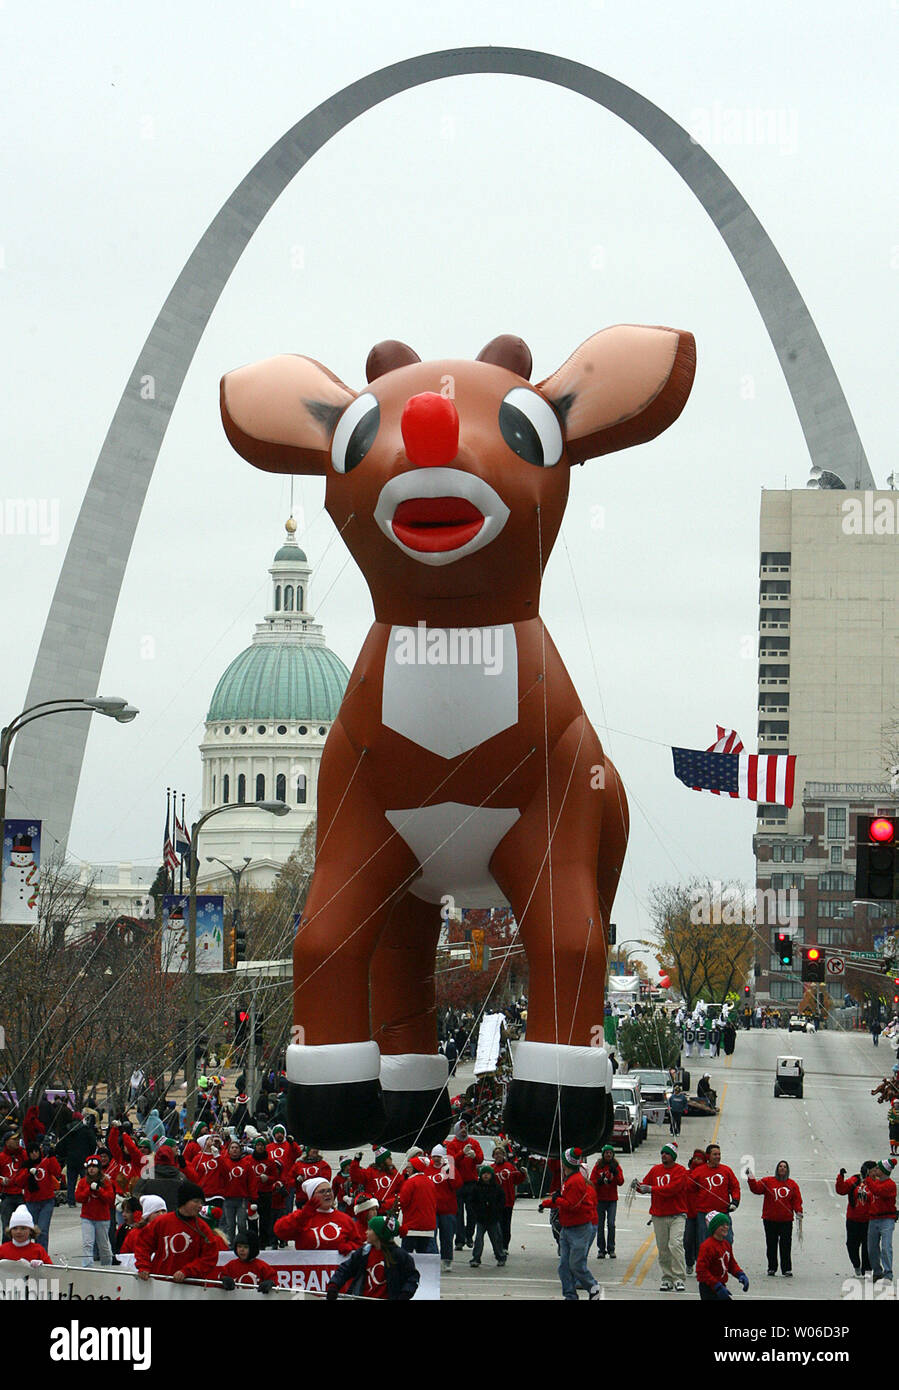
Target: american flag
(764,777)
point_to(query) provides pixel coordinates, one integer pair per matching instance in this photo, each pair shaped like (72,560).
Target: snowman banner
(210,933)
(21,864)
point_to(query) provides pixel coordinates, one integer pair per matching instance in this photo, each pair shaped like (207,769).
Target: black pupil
(520,435)
(363,437)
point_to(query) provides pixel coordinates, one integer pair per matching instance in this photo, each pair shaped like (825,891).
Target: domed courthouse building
(268,719)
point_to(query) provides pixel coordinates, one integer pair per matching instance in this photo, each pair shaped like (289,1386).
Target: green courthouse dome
(275,680)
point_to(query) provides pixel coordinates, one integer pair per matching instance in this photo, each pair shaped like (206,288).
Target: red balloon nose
(430,427)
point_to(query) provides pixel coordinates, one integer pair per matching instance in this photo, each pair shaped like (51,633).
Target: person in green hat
(716,1260)
(379,1269)
(607,1177)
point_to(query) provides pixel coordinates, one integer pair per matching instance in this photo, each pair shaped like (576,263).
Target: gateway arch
(48,756)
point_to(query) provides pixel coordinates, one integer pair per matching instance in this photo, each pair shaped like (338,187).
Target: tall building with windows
(268,719)
(828,692)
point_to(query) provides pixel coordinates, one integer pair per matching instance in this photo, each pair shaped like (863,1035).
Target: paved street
(836,1124)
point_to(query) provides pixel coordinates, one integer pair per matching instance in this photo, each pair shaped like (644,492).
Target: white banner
(489,1041)
(310,1271)
(20,1281)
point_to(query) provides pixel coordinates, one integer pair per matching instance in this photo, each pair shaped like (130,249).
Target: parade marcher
(380,1180)
(96,1194)
(607,1177)
(856,1217)
(234,1186)
(149,1208)
(10,1164)
(465,1154)
(575,1205)
(446,1182)
(378,1269)
(21,1243)
(246,1270)
(509,1178)
(487,1202)
(719,1190)
(880,1195)
(418,1204)
(265,1176)
(677,1108)
(691,1225)
(308,1164)
(163,1176)
(716,1260)
(178,1244)
(364,1209)
(37,1181)
(318,1224)
(667,1183)
(893,1122)
(342,1184)
(783,1202)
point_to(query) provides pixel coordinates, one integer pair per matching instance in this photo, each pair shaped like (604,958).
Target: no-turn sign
(835,966)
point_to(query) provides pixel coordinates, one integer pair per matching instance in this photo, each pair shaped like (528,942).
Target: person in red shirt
(247,1270)
(381,1180)
(667,1184)
(21,1244)
(234,1188)
(783,1201)
(575,1206)
(856,1217)
(466,1155)
(149,1208)
(719,1190)
(880,1195)
(265,1176)
(509,1178)
(37,1181)
(377,1269)
(309,1165)
(418,1203)
(178,1244)
(10,1156)
(206,1165)
(691,1227)
(363,1211)
(716,1260)
(446,1181)
(96,1194)
(318,1225)
(607,1177)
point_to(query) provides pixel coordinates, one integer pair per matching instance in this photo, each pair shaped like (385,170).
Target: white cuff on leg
(333,1064)
(413,1071)
(556,1064)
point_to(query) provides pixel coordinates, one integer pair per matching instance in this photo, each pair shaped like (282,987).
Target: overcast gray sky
(458,211)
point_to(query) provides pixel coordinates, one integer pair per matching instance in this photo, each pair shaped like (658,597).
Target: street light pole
(275,808)
(112,705)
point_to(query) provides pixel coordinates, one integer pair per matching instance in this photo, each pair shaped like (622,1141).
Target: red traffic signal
(813,953)
(882,831)
(812,965)
(877,858)
(746,989)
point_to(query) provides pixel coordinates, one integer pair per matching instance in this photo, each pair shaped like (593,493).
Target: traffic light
(241,1026)
(613,934)
(240,939)
(813,965)
(785,948)
(258,1033)
(877,858)
(746,991)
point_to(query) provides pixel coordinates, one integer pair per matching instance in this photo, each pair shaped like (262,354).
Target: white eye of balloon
(355,432)
(531,427)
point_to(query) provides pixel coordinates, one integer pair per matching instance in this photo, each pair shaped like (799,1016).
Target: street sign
(835,966)
(864,955)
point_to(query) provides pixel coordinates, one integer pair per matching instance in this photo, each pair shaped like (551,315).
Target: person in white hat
(319,1224)
(22,1244)
(151,1206)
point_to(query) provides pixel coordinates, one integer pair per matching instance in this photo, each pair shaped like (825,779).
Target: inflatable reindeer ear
(280,414)
(510,352)
(387,356)
(621,387)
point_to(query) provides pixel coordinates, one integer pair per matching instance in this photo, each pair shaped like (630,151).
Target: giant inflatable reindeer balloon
(461,761)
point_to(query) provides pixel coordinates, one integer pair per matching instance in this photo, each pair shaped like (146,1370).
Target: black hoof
(342,1116)
(547,1118)
(417,1118)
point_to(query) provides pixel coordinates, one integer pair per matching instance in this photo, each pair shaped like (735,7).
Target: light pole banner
(210,933)
(175,917)
(21,865)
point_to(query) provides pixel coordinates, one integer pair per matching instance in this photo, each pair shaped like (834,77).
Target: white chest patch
(454,844)
(450,689)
